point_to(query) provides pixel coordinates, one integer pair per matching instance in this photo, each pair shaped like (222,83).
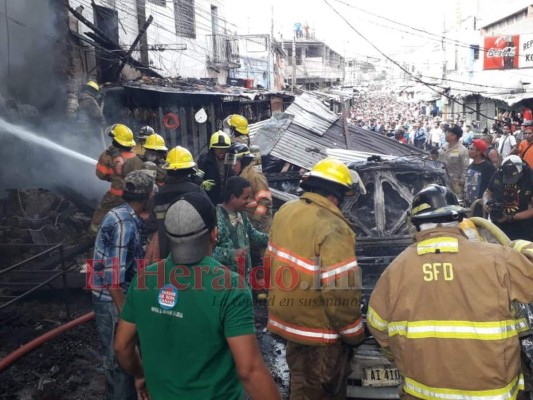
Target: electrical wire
(443,93)
(433,36)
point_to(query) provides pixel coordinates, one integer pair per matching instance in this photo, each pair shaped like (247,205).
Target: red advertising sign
(501,52)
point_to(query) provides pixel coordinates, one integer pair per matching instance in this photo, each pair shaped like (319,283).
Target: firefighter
(143,135)
(110,168)
(90,116)
(180,168)
(89,108)
(155,151)
(213,165)
(237,126)
(314,298)
(442,309)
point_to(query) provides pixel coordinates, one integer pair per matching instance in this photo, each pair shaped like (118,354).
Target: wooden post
(345,123)
(134,44)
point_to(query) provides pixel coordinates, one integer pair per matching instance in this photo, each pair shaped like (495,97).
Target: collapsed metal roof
(311,113)
(303,133)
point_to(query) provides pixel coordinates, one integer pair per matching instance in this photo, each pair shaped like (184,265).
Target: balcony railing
(222,52)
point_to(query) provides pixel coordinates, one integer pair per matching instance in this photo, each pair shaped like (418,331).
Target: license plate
(381,377)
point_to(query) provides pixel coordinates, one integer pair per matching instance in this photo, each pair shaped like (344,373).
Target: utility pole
(344,113)
(444,65)
(271,55)
(141,21)
(294,61)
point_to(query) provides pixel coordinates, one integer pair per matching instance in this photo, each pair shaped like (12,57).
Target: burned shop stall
(185,115)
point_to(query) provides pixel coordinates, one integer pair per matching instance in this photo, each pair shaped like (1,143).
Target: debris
(38,216)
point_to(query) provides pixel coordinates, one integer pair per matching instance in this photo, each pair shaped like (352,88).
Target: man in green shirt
(193,318)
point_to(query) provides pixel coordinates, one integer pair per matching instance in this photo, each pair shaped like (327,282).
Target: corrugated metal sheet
(253,128)
(347,156)
(301,145)
(303,148)
(367,141)
(311,113)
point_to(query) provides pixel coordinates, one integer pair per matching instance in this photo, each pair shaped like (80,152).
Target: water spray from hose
(28,136)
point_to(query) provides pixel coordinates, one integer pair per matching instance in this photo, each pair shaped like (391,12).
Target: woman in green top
(235,231)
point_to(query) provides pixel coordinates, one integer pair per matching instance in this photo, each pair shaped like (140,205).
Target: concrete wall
(171,62)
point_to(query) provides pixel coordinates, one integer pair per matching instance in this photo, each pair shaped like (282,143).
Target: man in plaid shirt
(117,249)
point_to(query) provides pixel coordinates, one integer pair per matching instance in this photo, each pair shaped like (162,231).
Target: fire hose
(30,346)
(522,310)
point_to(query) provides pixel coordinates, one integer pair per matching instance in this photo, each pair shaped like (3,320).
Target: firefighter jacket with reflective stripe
(443,309)
(260,208)
(315,281)
(89,111)
(109,168)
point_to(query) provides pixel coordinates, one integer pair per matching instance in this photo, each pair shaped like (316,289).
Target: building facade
(185,38)
(314,64)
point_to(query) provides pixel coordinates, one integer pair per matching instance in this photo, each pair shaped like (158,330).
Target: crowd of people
(181,325)
(472,157)
(163,209)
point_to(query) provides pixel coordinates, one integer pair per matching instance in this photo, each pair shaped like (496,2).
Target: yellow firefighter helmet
(122,135)
(333,170)
(179,158)
(239,123)
(94,85)
(155,142)
(219,140)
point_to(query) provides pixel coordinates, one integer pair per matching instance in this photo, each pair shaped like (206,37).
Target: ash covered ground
(69,366)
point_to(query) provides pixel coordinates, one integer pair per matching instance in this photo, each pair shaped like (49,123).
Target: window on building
(161,3)
(314,51)
(214,19)
(299,56)
(475,51)
(185,17)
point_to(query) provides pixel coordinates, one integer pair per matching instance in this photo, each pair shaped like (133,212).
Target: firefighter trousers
(318,372)
(108,202)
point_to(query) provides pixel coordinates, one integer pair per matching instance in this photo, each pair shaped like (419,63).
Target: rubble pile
(38,216)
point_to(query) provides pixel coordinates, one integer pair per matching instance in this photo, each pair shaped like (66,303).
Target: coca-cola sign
(505,52)
(501,52)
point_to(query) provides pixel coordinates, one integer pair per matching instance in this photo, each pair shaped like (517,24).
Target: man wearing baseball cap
(117,249)
(479,171)
(509,196)
(455,157)
(526,146)
(193,317)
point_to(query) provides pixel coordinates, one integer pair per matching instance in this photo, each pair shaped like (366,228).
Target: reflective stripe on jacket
(443,309)
(109,168)
(315,293)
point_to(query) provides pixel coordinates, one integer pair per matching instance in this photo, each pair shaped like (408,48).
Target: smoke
(31,51)
(53,155)
(33,85)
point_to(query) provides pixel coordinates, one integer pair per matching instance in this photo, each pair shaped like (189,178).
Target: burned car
(380,220)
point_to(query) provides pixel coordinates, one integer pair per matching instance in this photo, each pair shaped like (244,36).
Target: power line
(434,37)
(402,68)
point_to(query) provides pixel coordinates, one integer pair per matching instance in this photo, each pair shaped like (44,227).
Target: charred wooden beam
(134,44)
(100,37)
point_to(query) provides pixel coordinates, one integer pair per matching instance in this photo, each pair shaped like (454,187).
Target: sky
(385,23)
(331,28)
